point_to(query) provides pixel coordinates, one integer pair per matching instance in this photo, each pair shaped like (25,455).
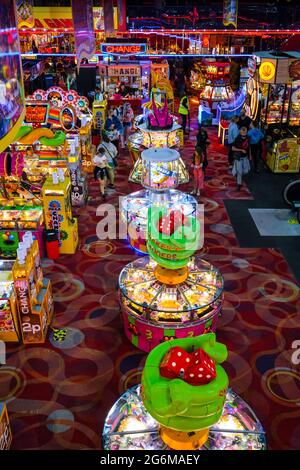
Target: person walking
(100,170)
(255,135)
(198,171)
(111,154)
(233,132)
(241,153)
(183,110)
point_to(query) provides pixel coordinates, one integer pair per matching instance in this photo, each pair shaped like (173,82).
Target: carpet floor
(58,393)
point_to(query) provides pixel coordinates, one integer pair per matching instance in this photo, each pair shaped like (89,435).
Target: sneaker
(239,187)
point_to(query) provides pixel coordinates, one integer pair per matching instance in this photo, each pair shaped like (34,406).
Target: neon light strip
(237,32)
(155,55)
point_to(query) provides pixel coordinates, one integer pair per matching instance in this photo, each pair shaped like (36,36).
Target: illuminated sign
(251,66)
(119,49)
(294,70)
(56,217)
(267,71)
(118,71)
(36,113)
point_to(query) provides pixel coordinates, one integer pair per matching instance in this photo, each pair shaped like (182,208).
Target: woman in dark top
(202,141)
(241,154)
(244,120)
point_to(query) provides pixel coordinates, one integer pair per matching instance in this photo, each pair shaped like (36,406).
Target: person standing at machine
(255,135)
(241,154)
(184,110)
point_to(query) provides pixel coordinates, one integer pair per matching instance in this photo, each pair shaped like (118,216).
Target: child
(198,171)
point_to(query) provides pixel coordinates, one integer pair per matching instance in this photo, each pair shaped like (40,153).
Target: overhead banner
(230,12)
(108,16)
(83,21)
(122,15)
(25,15)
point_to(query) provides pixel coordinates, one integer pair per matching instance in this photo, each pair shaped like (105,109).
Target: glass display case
(129,426)
(153,310)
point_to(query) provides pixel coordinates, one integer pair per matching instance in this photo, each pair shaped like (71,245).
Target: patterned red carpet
(59,393)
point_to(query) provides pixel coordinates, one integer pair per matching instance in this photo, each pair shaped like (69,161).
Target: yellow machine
(99,114)
(9,330)
(285,156)
(87,148)
(58,213)
(161,87)
(33,294)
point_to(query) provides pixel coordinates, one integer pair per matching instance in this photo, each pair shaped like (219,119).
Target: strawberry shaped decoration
(175,363)
(196,368)
(172,237)
(172,221)
(202,369)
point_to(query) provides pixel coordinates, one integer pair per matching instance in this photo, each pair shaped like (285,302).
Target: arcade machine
(134,75)
(26,304)
(69,115)
(274,96)
(215,90)
(183,403)
(171,293)
(20,205)
(58,212)
(226,110)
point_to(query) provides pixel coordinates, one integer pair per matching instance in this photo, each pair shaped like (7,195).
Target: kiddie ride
(171,293)
(160,170)
(183,403)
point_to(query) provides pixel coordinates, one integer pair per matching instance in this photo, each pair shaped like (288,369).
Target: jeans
(111,174)
(184,120)
(230,154)
(240,168)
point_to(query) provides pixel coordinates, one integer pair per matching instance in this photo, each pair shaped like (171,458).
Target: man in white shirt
(111,154)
